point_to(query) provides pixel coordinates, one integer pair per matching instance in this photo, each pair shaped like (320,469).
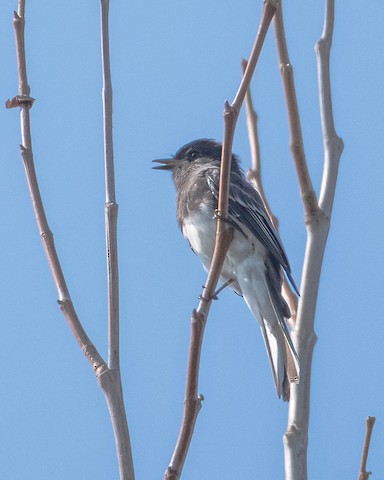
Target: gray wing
(246,210)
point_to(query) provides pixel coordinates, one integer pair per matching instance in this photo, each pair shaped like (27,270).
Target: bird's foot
(215,294)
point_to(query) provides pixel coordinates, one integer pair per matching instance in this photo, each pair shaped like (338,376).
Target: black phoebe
(256,257)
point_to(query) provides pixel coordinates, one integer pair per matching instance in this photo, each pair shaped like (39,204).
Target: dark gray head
(194,154)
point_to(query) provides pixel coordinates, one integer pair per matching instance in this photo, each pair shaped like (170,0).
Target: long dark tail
(281,351)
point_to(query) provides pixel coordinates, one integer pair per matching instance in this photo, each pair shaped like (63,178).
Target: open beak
(166,164)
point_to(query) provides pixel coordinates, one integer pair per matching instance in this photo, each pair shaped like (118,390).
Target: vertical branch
(333,145)
(192,402)
(317,219)
(111,207)
(296,436)
(111,384)
(364,475)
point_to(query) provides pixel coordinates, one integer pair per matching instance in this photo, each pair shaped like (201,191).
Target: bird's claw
(215,294)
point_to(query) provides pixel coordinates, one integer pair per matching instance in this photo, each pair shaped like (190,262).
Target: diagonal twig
(192,402)
(255,177)
(25,103)
(308,194)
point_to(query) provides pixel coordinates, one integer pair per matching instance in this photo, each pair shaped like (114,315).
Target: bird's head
(193,155)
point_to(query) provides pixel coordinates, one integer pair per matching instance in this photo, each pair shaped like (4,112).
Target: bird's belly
(200,230)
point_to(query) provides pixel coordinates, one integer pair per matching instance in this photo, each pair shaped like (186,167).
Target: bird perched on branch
(256,258)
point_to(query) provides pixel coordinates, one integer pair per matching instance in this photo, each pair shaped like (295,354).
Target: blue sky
(173,65)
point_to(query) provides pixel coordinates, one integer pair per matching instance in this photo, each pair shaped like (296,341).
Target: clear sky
(173,64)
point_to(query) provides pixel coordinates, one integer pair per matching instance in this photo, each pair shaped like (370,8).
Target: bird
(256,260)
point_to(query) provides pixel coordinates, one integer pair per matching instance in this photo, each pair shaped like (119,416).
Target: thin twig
(333,145)
(192,403)
(364,475)
(25,103)
(111,384)
(255,177)
(296,138)
(254,173)
(111,207)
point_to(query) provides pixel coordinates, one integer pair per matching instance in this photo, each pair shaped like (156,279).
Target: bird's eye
(191,155)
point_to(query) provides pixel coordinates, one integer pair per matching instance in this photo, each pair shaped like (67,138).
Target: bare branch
(111,384)
(308,194)
(224,233)
(333,145)
(111,207)
(64,298)
(364,475)
(109,380)
(317,224)
(254,173)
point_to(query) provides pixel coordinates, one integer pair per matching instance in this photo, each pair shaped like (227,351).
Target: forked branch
(317,219)
(192,403)
(108,378)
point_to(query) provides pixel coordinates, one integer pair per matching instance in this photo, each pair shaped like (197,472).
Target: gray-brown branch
(111,384)
(363,474)
(108,379)
(255,177)
(317,219)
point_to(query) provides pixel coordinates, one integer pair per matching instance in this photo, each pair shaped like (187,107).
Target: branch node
(229,111)
(171,474)
(92,355)
(111,206)
(286,69)
(20,101)
(47,233)
(315,215)
(197,317)
(193,405)
(272,3)
(217,215)
(322,45)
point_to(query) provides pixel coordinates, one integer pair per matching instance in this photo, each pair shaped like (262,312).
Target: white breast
(200,230)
